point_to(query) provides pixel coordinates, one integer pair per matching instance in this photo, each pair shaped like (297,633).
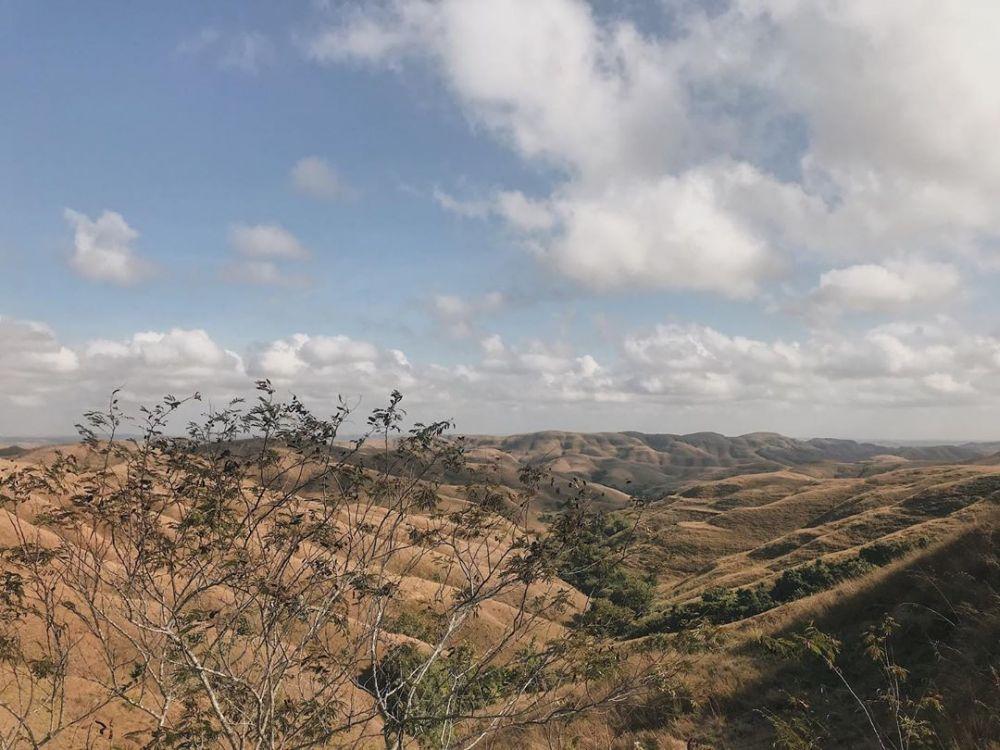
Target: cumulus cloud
(897,364)
(151,363)
(103,249)
(889,287)
(37,370)
(674,233)
(705,230)
(543,75)
(539,371)
(654,373)
(603,104)
(313,176)
(696,363)
(32,362)
(887,103)
(322,368)
(262,254)
(715,156)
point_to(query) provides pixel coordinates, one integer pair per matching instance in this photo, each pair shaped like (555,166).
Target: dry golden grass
(732,531)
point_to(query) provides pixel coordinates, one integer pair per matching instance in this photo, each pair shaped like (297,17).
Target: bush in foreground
(231,587)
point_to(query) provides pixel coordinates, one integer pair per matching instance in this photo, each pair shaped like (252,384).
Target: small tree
(238,586)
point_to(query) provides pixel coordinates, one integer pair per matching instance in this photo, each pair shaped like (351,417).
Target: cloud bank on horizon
(805,189)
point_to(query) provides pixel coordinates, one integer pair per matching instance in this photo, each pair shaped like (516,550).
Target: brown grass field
(714,516)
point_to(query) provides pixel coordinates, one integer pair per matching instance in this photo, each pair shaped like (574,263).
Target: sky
(658,215)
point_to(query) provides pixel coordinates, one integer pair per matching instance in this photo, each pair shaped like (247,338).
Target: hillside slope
(946,606)
(746,529)
(722,516)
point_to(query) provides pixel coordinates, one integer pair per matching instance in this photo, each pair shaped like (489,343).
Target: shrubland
(252,582)
(258,580)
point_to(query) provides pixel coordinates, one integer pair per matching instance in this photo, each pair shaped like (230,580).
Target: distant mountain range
(637,463)
(641,463)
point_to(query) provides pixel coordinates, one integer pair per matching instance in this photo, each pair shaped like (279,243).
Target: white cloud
(886,103)
(266,241)
(543,75)
(365,38)
(30,374)
(897,364)
(150,364)
(897,134)
(657,375)
(886,288)
(181,349)
(667,144)
(30,352)
(673,233)
(524,213)
(323,367)
(693,363)
(102,249)
(493,345)
(535,373)
(263,250)
(601,103)
(286,358)
(513,206)
(59,382)
(313,176)
(37,370)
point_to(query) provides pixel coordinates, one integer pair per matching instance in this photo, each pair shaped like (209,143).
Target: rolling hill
(656,464)
(722,518)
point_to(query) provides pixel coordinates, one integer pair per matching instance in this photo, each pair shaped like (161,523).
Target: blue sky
(668,216)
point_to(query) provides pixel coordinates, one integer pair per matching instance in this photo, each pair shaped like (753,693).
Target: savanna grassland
(258,581)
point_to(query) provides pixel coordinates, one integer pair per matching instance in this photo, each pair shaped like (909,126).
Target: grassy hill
(760,535)
(945,603)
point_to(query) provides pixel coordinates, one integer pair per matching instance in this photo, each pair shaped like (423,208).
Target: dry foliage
(248,585)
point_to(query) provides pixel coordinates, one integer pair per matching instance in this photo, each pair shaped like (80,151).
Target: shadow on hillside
(947,603)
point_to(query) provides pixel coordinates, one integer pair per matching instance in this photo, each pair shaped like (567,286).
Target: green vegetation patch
(596,565)
(720,605)
(424,699)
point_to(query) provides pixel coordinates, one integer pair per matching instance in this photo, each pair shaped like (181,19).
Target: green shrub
(883,553)
(422,625)
(817,576)
(619,596)
(719,605)
(607,618)
(419,703)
